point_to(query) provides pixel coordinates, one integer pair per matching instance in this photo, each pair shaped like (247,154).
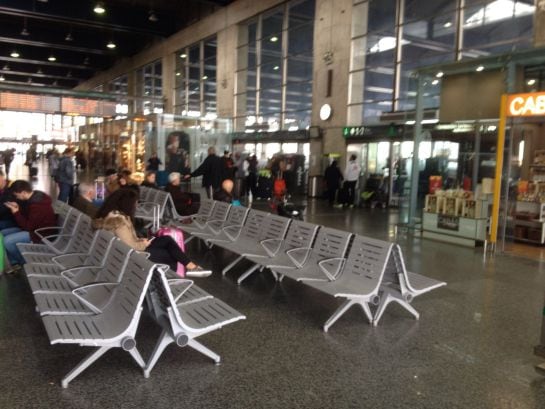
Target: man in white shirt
(351,176)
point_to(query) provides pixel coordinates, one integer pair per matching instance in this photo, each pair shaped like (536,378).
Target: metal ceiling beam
(46,63)
(37,75)
(79,22)
(33,43)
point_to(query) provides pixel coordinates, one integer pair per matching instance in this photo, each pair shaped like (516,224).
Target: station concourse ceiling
(60,43)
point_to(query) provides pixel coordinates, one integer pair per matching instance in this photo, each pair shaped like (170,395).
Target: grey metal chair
(249,230)
(114,327)
(216,218)
(275,252)
(359,279)
(401,286)
(84,299)
(328,251)
(184,316)
(271,234)
(235,220)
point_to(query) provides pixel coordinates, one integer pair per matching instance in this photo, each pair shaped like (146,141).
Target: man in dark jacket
(226,192)
(35,212)
(211,171)
(84,201)
(65,174)
(333,178)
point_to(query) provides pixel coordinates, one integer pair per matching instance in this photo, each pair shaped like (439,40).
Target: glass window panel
(298,96)
(271,51)
(210,49)
(424,9)
(381,15)
(380,50)
(297,120)
(271,76)
(195,54)
(373,110)
(435,34)
(251,80)
(378,84)
(299,68)
(194,73)
(301,12)
(272,24)
(300,39)
(270,100)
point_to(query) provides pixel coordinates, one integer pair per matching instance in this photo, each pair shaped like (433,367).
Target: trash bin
(316,186)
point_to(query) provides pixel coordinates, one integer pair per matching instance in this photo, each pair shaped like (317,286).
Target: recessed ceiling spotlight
(6,67)
(435,82)
(153,17)
(25,32)
(111,45)
(274,39)
(15,54)
(276,68)
(99,8)
(205,77)
(69,37)
(531,82)
(178,74)
(479,68)
(447,24)
(2,78)
(439,74)
(52,58)
(183,55)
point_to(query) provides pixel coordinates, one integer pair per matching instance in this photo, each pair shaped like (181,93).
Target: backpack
(178,237)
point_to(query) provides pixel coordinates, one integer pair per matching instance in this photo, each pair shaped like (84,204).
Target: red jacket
(36,213)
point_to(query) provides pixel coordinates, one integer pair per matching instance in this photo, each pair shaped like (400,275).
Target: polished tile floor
(472,347)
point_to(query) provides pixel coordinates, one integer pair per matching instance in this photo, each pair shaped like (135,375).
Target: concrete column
(539,24)
(168,64)
(332,43)
(226,71)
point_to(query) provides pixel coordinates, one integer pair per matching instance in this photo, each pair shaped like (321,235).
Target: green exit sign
(355,131)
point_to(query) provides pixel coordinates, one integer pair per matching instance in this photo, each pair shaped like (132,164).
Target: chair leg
(247,273)
(164,340)
(337,314)
(367,311)
(189,239)
(231,265)
(196,345)
(389,297)
(137,357)
(83,365)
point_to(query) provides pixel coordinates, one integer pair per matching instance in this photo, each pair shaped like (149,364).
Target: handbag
(178,237)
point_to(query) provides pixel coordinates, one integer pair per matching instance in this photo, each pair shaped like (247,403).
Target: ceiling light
(153,17)
(69,37)
(39,71)
(439,74)
(447,24)
(15,54)
(276,68)
(25,32)
(184,55)
(178,74)
(52,58)
(99,8)
(435,82)
(479,68)
(274,39)
(111,45)
(205,77)
(2,78)
(531,82)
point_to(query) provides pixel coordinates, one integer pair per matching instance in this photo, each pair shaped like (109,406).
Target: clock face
(325,112)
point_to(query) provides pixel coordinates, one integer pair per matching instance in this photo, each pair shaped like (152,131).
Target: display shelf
(454,229)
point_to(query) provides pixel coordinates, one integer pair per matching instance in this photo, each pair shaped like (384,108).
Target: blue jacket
(65,171)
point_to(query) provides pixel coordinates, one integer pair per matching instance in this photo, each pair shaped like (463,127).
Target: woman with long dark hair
(117,214)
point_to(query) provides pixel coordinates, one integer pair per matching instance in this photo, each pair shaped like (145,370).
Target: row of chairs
(91,291)
(361,270)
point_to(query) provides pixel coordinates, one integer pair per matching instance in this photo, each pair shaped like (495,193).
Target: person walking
(351,176)
(211,172)
(333,178)
(65,174)
(154,162)
(251,179)
(9,155)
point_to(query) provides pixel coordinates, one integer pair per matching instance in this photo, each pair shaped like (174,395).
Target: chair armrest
(48,238)
(271,252)
(332,276)
(179,281)
(87,303)
(298,263)
(37,231)
(234,226)
(70,273)
(144,253)
(57,259)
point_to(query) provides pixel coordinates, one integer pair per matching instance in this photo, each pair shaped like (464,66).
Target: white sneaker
(198,272)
